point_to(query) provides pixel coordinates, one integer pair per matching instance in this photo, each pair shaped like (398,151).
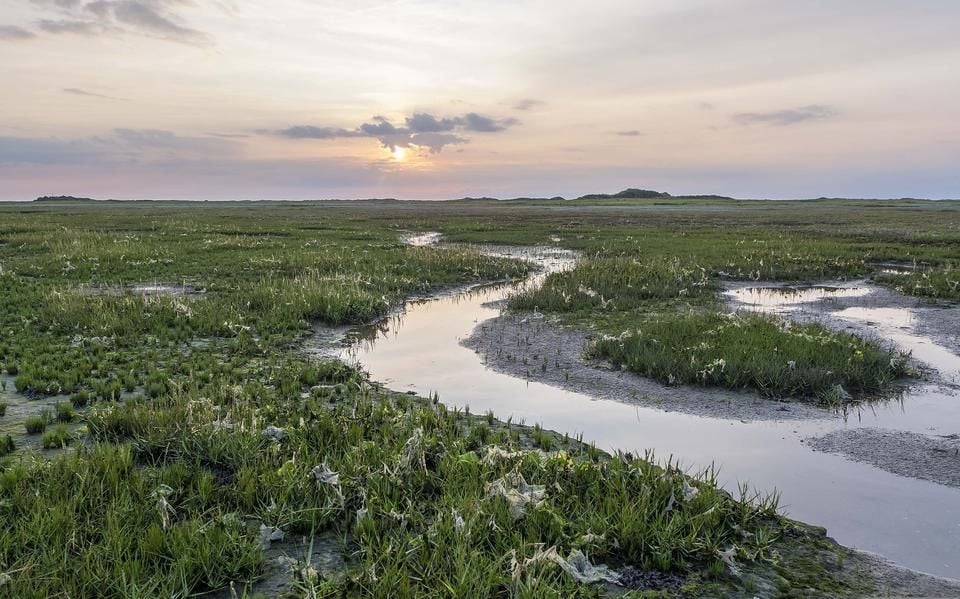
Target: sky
(313,99)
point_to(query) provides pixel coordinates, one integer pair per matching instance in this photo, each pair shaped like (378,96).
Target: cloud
(70,26)
(427,123)
(153,18)
(228,135)
(143,16)
(118,146)
(477,122)
(628,133)
(790,116)
(528,104)
(436,141)
(420,129)
(82,92)
(14,33)
(310,132)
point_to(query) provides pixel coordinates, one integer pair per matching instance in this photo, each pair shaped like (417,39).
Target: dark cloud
(420,129)
(528,104)
(74,91)
(12,32)
(628,133)
(790,116)
(380,127)
(427,123)
(154,18)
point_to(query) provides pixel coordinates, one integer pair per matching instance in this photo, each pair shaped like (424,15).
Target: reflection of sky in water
(914,522)
(786,299)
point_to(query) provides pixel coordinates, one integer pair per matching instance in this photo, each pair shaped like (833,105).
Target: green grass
(771,355)
(64,412)
(616,284)
(164,496)
(6,445)
(36,424)
(938,283)
(160,504)
(57,438)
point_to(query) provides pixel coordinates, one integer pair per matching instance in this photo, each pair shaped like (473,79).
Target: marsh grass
(57,438)
(37,424)
(64,412)
(937,283)
(166,495)
(615,284)
(6,445)
(662,320)
(745,351)
(166,499)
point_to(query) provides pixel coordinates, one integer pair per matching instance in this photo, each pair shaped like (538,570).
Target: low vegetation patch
(57,438)
(36,424)
(6,445)
(940,283)
(170,498)
(774,356)
(612,284)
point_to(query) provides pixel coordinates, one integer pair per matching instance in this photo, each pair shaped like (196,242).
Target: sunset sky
(444,98)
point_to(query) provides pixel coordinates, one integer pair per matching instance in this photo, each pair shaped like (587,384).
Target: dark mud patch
(529,346)
(932,458)
(890,580)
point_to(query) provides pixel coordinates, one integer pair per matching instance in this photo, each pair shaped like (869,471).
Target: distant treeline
(627,194)
(630,193)
(63,199)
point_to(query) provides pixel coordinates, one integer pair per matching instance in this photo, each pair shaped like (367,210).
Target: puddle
(778,300)
(20,408)
(916,523)
(423,239)
(889,318)
(899,266)
(174,290)
(896,324)
(149,290)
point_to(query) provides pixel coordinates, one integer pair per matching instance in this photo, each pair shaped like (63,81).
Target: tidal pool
(913,522)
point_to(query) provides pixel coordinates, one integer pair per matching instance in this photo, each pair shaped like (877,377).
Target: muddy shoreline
(531,347)
(932,458)
(413,353)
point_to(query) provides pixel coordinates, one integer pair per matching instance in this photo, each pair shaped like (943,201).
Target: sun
(399,154)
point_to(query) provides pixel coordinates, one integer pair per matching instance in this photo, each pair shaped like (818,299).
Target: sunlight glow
(399,154)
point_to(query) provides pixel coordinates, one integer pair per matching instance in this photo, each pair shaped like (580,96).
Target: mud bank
(532,347)
(932,458)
